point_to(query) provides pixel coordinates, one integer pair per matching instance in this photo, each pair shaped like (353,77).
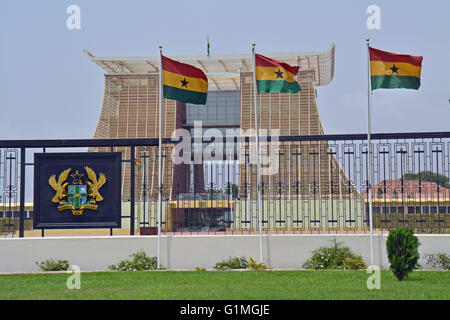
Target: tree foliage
(139,262)
(380,193)
(53,265)
(335,257)
(403,251)
(428,176)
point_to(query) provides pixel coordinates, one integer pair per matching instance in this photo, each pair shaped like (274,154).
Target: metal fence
(319,185)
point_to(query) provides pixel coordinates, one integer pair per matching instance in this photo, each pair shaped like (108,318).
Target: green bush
(139,262)
(52,265)
(253,265)
(334,257)
(439,261)
(354,263)
(231,263)
(200,269)
(402,249)
(239,263)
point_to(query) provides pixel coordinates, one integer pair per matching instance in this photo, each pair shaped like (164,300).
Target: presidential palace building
(221,194)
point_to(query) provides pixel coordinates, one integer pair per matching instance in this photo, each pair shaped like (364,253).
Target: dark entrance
(206,220)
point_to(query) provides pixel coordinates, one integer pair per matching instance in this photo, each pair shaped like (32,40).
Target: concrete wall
(189,252)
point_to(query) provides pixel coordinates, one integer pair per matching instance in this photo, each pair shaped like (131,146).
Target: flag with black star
(183,82)
(390,70)
(275,76)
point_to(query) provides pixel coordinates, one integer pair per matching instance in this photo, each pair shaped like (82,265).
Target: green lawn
(227,285)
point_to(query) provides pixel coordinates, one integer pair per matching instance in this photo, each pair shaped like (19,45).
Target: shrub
(402,249)
(52,265)
(240,263)
(231,263)
(139,262)
(200,269)
(439,261)
(253,265)
(335,257)
(353,263)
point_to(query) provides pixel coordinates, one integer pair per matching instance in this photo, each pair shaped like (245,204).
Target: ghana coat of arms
(78,195)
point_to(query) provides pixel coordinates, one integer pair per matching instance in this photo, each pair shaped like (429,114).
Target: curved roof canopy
(223,70)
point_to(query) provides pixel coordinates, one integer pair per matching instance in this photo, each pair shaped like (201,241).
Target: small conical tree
(380,193)
(403,251)
(395,194)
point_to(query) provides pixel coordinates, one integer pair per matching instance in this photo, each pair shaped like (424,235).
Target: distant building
(416,196)
(306,172)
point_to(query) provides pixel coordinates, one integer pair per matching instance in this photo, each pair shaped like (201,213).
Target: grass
(227,285)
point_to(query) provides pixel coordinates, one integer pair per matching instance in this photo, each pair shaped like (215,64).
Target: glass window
(222,108)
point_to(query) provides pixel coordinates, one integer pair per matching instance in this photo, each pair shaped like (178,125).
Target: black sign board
(77,190)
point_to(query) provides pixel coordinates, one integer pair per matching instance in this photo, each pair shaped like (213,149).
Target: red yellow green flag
(275,76)
(207,45)
(183,82)
(391,70)
(138,162)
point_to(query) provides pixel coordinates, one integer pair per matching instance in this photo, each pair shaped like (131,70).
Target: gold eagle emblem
(59,187)
(78,197)
(95,185)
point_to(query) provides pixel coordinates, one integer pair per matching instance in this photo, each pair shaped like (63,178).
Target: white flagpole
(160,159)
(369,152)
(258,177)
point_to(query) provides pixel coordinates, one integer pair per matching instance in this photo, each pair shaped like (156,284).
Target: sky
(50,90)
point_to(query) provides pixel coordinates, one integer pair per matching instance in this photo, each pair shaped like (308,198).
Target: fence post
(132,155)
(22,192)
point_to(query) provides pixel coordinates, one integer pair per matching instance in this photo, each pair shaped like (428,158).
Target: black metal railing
(319,184)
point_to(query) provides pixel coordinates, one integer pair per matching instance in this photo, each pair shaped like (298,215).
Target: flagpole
(258,177)
(160,159)
(369,152)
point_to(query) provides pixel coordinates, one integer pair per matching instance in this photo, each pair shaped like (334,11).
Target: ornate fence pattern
(320,185)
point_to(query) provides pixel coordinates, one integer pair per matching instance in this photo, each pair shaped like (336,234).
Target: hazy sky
(49,89)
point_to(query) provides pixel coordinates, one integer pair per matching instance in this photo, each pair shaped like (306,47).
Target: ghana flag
(391,70)
(275,76)
(138,162)
(183,82)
